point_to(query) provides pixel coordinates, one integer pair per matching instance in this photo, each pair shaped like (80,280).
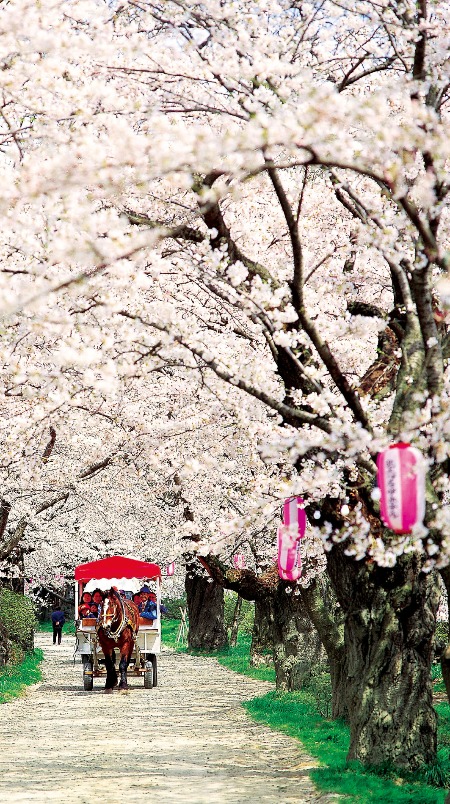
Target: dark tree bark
(4,643)
(15,580)
(205,610)
(261,651)
(287,623)
(325,613)
(235,623)
(390,619)
(296,644)
(445,657)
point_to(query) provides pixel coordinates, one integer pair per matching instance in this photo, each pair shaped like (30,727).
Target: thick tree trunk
(389,638)
(261,651)
(205,610)
(319,604)
(235,623)
(296,644)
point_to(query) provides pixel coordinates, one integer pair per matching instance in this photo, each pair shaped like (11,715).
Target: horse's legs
(123,665)
(111,674)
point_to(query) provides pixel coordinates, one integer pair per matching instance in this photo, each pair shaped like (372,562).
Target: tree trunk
(319,604)
(14,569)
(296,644)
(326,615)
(261,651)
(235,623)
(445,657)
(205,610)
(389,637)
(4,643)
(445,667)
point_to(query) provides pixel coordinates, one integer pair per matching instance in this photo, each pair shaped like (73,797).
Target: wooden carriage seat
(88,621)
(144,621)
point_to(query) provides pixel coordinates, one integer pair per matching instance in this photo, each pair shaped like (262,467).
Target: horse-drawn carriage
(119,623)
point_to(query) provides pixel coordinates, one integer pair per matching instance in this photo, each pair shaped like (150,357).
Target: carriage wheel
(148,676)
(155,670)
(88,677)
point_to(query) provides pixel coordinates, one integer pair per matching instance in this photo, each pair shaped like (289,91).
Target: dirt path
(186,742)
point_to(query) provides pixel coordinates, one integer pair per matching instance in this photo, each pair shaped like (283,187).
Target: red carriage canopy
(117,567)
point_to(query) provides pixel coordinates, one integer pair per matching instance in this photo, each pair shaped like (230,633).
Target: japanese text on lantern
(392,501)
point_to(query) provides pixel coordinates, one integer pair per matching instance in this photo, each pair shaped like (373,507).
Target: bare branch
(49,448)
(96,467)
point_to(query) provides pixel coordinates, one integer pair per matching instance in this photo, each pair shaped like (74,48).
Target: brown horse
(117,626)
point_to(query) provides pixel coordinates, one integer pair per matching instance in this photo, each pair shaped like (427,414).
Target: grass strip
(47,628)
(296,714)
(15,678)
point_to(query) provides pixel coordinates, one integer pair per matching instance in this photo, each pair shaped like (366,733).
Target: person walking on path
(58,621)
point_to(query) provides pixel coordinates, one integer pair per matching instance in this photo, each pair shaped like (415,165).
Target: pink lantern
(401,480)
(289,535)
(170,568)
(239,561)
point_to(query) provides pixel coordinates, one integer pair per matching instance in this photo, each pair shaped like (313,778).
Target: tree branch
(5,510)
(7,547)
(321,346)
(49,448)
(96,467)
(180,232)
(293,416)
(214,220)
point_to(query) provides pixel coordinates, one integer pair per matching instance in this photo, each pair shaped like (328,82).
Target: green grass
(237,659)
(15,678)
(46,628)
(169,631)
(297,715)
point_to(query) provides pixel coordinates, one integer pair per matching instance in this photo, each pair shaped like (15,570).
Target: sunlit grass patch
(327,741)
(15,678)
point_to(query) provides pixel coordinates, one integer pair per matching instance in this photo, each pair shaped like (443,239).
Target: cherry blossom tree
(254,195)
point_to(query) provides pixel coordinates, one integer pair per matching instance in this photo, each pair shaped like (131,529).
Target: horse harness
(128,617)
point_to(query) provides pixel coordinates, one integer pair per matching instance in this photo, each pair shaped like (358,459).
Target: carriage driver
(148,607)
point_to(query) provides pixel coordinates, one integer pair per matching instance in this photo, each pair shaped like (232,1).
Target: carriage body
(123,573)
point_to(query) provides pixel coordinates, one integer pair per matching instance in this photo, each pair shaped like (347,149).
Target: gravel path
(188,741)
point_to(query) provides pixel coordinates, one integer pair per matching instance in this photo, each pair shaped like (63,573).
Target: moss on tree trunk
(322,607)
(296,643)
(389,636)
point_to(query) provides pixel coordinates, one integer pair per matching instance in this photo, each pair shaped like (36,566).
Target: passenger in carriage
(97,602)
(98,596)
(84,609)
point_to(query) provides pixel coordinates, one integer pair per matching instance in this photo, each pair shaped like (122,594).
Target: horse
(118,625)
